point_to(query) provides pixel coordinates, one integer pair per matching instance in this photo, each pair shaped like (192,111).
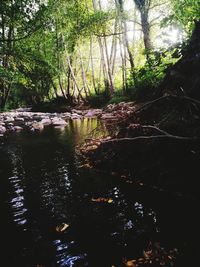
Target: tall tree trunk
(74,79)
(113,49)
(61,87)
(85,86)
(144,7)
(146,31)
(120,5)
(111,84)
(92,65)
(108,80)
(54,88)
(123,64)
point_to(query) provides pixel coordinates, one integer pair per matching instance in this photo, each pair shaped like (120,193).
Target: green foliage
(77,20)
(98,100)
(185,12)
(147,78)
(42,43)
(119,97)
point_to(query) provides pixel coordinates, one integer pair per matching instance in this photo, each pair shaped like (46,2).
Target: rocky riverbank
(17,120)
(21,119)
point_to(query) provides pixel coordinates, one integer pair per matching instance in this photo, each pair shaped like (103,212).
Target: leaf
(131,263)
(102,200)
(62,227)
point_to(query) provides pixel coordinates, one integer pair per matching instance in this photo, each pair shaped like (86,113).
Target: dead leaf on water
(85,166)
(62,227)
(147,254)
(131,263)
(102,200)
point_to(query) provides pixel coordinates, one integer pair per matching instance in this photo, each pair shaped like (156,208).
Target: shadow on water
(41,186)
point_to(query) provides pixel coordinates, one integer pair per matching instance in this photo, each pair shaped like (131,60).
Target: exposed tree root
(157,141)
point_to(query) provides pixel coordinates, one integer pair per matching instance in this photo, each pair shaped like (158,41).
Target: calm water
(41,186)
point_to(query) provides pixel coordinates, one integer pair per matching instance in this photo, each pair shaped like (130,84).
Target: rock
(75,116)
(39,116)
(18,128)
(58,122)
(2,129)
(37,126)
(9,119)
(93,113)
(76,111)
(29,123)
(66,116)
(108,117)
(46,121)
(19,119)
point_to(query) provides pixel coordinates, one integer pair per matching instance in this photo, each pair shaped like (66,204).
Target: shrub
(145,80)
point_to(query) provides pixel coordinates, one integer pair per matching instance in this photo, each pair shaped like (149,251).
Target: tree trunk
(146,31)
(144,7)
(108,80)
(85,86)
(92,65)
(74,79)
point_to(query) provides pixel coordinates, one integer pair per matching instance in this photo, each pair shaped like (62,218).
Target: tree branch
(165,97)
(151,22)
(107,35)
(135,21)
(159,4)
(154,137)
(19,38)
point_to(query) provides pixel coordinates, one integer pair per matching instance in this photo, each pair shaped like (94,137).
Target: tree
(19,20)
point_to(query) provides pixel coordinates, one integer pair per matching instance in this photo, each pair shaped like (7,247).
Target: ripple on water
(16,201)
(63,256)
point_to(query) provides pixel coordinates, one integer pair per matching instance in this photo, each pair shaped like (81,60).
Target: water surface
(41,186)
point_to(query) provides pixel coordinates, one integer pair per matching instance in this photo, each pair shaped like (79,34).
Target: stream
(42,186)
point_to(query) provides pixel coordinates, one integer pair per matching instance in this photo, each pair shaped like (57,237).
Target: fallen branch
(154,137)
(157,129)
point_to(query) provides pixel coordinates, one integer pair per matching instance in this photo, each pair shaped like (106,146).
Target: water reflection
(16,190)
(64,257)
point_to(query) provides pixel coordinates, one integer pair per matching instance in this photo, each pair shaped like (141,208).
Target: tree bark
(144,8)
